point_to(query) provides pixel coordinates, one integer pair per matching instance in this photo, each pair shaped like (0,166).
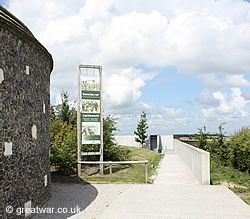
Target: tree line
(234,153)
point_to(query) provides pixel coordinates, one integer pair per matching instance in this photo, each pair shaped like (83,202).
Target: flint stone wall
(25,67)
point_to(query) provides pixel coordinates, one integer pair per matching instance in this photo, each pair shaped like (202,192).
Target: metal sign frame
(79,131)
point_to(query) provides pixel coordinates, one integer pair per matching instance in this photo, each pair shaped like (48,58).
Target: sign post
(90,118)
(101,115)
(79,144)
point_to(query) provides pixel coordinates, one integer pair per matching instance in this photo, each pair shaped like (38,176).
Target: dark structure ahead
(25,68)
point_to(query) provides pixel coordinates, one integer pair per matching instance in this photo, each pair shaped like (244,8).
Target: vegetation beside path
(237,181)
(230,159)
(132,173)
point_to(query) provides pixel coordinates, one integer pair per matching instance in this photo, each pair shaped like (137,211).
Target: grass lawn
(132,173)
(237,181)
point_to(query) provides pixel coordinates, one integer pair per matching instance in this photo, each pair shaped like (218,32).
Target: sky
(185,63)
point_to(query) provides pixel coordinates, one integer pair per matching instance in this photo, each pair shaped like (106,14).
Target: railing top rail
(112,162)
(191,146)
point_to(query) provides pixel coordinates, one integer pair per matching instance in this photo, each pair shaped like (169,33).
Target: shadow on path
(69,197)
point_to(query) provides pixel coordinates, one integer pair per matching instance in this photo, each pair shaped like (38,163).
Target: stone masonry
(25,67)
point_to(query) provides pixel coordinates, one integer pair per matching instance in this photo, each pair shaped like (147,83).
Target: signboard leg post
(101,115)
(78,126)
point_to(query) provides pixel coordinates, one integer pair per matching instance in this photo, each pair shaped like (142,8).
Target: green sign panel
(91,138)
(91,112)
(90,117)
(91,95)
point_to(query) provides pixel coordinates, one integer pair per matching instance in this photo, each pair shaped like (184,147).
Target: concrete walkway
(176,194)
(173,171)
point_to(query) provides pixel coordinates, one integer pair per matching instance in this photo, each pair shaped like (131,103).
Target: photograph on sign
(91,133)
(90,106)
(91,128)
(91,85)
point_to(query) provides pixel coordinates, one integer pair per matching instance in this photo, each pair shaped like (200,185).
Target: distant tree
(202,138)
(109,127)
(111,150)
(64,112)
(141,129)
(223,150)
(221,135)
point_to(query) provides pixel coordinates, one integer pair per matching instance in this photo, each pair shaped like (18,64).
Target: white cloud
(171,112)
(237,81)
(122,89)
(200,37)
(230,81)
(197,37)
(230,106)
(207,99)
(246,95)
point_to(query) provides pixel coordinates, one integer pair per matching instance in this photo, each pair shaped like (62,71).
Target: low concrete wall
(198,160)
(164,141)
(167,142)
(127,140)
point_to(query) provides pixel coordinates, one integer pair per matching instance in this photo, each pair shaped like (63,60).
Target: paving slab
(176,193)
(90,199)
(106,194)
(177,201)
(173,171)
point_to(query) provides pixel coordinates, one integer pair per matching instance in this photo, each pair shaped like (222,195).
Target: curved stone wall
(25,67)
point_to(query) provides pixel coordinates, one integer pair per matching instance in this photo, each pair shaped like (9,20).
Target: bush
(63,146)
(218,149)
(111,150)
(241,150)
(63,138)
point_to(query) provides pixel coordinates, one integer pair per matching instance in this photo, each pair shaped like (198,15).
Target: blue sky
(171,87)
(185,63)
(4,3)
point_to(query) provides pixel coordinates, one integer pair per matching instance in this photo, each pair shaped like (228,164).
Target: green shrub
(63,146)
(241,150)
(116,153)
(202,137)
(111,150)
(63,138)
(218,149)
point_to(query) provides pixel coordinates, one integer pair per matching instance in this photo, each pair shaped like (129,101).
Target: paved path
(176,194)
(173,171)
(106,194)
(177,201)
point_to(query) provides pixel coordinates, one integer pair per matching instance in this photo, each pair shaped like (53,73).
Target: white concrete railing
(197,160)
(166,141)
